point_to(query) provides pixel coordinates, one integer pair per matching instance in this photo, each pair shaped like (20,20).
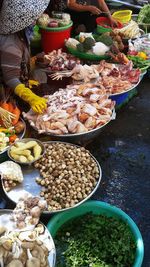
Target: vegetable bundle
(144,15)
(95,241)
(139,62)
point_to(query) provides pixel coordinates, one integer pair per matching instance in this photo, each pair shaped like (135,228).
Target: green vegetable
(80,47)
(105,39)
(88,43)
(95,241)
(144,14)
(140,63)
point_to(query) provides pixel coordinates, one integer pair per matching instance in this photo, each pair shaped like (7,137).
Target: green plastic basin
(87,56)
(98,207)
(57,29)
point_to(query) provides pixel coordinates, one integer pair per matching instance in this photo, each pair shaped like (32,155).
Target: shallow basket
(123,16)
(98,207)
(86,56)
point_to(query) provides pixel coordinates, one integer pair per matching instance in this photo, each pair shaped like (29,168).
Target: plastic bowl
(98,207)
(123,16)
(104,25)
(119,99)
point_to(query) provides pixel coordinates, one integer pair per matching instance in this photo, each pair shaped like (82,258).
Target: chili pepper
(12,138)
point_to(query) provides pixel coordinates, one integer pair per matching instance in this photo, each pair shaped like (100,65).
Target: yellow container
(123,16)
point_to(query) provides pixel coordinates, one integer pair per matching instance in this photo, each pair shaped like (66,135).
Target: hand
(94,10)
(33,83)
(38,104)
(113,22)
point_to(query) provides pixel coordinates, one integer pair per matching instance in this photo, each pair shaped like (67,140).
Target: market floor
(123,150)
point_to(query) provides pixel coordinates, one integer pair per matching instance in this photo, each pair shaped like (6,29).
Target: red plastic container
(54,38)
(105,22)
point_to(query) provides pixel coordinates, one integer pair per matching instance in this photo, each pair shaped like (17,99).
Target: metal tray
(46,237)
(79,138)
(29,184)
(20,136)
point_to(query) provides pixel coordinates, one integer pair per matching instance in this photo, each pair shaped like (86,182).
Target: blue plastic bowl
(119,99)
(98,207)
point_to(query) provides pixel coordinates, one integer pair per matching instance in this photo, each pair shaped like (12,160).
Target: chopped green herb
(95,241)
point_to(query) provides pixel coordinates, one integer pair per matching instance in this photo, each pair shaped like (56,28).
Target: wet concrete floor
(123,151)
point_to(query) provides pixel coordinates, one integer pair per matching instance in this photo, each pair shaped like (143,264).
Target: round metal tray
(29,184)
(79,138)
(20,136)
(46,237)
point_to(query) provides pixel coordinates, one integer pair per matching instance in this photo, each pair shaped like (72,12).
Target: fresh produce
(4,140)
(10,135)
(43,20)
(72,43)
(53,24)
(11,174)
(30,251)
(95,241)
(24,242)
(139,62)
(27,211)
(80,47)
(105,39)
(86,45)
(13,138)
(9,112)
(68,175)
(142,55)
(144,14)
(131,30)
(6,118)
(117,40)
(55,21)
(84,35)
(25,152)
(7,137)
(141,46)
(16,111)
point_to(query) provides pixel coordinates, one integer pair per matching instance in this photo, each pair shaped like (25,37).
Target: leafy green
(144,14)
(88,43)
(80,47)
(139,62)
(95,241)
(105,39)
